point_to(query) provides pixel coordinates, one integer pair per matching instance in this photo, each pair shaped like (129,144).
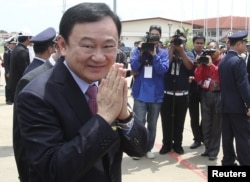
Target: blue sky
(37,15)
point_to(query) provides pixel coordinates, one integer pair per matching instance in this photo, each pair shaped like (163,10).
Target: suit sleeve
(136,143)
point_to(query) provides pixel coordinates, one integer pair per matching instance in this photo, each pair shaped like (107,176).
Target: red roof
(224,22)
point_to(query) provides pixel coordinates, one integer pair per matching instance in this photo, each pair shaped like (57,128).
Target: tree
(185,31)
(3,31)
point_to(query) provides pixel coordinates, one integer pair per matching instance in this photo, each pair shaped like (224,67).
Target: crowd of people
(72,120)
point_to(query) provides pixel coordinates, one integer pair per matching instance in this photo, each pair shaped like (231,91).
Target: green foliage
(189,44)
(3,31)
(1,49)
(185,31)
(166,42)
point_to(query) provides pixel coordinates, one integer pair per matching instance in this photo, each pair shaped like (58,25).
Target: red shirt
(208,76)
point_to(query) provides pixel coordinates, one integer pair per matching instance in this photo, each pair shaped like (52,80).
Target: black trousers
(8,93)
(194,112)
(173,114)
(235,127)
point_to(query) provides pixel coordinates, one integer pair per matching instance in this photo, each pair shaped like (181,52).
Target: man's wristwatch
(129,118)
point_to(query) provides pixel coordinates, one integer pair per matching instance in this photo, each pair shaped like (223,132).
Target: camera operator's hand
(191,79)
(210,62)
(179,48)
(196,61)
(153,52)
(180,52)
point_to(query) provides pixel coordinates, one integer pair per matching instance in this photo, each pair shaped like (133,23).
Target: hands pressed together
(112,95)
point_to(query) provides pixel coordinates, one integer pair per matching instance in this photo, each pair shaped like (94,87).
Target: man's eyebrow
(92,39)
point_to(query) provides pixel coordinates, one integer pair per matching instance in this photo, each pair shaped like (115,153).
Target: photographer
(195,92)
(207,74)
(175,104)
(150,63)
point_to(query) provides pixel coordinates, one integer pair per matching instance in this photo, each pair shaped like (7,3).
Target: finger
(111,76)
(101,84)
(100,89)
(117,80)
(125,91)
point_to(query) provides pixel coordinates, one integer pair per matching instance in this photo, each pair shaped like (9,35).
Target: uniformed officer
(44,46)
(19,59)
(10,44)
(235,97)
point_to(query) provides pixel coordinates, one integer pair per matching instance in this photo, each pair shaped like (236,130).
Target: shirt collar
(81,83)
(43,60)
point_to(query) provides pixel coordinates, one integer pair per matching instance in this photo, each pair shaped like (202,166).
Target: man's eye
(86,46)
(109,46)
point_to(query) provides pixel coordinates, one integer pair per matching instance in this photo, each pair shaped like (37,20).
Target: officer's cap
(47,35)
(238,36)
(25,33)
(11,40)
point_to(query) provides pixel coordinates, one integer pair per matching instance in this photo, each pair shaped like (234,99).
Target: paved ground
(190,167)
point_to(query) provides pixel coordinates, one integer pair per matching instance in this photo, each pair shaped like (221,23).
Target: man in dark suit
(44,46)
(9,46)
(235,97)
(19,60)
(65,141)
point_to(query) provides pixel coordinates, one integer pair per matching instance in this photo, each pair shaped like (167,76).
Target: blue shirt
(149,89)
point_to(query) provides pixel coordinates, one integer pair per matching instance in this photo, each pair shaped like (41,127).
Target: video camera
(203,59)
(178,38)
(148,45)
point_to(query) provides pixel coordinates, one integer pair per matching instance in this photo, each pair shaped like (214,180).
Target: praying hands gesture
(112,95)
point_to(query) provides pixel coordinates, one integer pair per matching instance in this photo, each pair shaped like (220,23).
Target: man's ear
(61,45)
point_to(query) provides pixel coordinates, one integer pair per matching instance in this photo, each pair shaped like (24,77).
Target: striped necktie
(92,92)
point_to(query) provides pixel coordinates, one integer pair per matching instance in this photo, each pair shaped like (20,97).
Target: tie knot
(92,91)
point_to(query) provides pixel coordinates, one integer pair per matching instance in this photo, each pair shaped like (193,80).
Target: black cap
(46,35)
(239,36)
(156,27)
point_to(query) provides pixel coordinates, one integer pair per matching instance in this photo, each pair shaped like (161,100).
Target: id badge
(206,83)
(148,71)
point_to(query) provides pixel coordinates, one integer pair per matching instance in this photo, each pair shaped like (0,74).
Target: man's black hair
(86,12)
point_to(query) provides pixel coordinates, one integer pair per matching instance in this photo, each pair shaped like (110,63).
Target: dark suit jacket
(34,64)
(19,60)
(64,141)
(248,66)
(235,91)
(18,144)
(6,58)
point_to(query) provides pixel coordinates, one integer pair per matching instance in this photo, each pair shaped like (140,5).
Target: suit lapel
(77,101)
